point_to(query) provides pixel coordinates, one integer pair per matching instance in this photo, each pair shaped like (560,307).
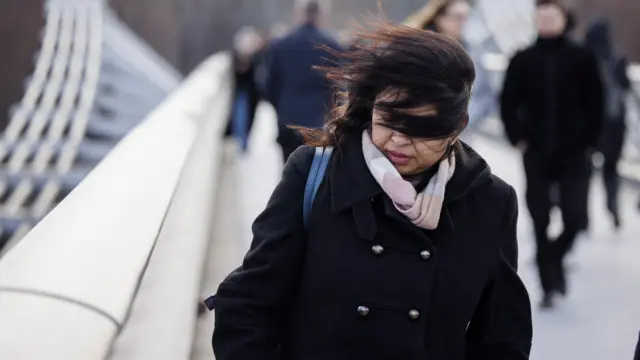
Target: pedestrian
(297,91)
(246,95)
(613,68)
(552,110)
(409,250)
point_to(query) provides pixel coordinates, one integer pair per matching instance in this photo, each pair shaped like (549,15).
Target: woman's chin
(406,169)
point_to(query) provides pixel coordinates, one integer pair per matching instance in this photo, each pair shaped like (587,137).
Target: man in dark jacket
(552,109)
(299,93)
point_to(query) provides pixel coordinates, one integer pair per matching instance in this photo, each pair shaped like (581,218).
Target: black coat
(553,98)
(448,294)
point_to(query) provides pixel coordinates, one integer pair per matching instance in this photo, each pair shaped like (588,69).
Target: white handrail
(67,287)
(175,270)
(43,142)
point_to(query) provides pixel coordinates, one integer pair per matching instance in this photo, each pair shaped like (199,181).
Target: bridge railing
(66,289)
(93,82)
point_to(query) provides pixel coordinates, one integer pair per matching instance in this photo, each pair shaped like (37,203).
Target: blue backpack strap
(316,174)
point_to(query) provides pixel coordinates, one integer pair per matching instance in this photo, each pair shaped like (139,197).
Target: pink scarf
(422,209)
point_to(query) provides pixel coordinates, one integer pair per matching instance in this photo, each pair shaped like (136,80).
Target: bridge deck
(599,319)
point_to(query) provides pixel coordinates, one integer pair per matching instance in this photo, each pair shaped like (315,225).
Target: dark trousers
(610,146)
(571,175)
(252,104)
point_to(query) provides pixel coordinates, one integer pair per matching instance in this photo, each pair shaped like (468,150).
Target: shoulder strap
(314,179)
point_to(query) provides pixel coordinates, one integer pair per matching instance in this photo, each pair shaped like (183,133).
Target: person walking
(613,68)
(409,250)
(246,94)
(298,92)
(552,110)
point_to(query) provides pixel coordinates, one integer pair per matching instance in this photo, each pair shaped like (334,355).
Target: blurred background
(131,168)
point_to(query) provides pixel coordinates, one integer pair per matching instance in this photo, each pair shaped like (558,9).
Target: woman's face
(452,22)
(409,155)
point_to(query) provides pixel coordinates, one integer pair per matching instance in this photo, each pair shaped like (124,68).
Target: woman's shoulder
(480,179)
(495,197)
(500,199)
(492,198)
(300,160)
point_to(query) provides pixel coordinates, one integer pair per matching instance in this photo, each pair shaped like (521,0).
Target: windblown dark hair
(422,68)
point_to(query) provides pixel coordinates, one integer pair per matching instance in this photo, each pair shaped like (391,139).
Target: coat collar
(351,181)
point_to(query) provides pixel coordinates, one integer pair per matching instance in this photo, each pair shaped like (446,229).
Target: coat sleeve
(594,100)
(252,302)
(511,100)
(501,328)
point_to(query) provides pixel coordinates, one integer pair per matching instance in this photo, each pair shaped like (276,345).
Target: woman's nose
(400,139)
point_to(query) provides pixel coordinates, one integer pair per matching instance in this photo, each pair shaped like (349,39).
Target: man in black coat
(552,109)
(298,92)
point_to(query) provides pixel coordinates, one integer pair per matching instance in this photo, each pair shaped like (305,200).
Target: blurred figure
(299,93)
(446,16)
(613,68)
(450,18)
(246,46)
(278,31)
(552,109)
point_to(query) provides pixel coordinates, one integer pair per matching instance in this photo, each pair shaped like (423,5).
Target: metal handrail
(41,152)
(69,285)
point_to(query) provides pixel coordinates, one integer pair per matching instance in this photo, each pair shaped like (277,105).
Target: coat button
(414,314)
(425,254)
(377,249)
(363,310)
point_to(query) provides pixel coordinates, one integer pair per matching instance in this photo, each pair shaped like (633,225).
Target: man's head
(551,18)
(311,11)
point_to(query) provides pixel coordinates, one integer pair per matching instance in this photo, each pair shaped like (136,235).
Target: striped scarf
(424,208)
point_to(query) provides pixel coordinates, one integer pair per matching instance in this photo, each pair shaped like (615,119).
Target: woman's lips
(398,158)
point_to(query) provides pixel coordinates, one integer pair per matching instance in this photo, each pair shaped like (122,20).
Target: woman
(617,85)
(446,16)
(391,266)
(450,17)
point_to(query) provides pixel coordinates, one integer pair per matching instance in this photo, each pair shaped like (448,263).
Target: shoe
(560,279)
(562,285)
(547,301)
